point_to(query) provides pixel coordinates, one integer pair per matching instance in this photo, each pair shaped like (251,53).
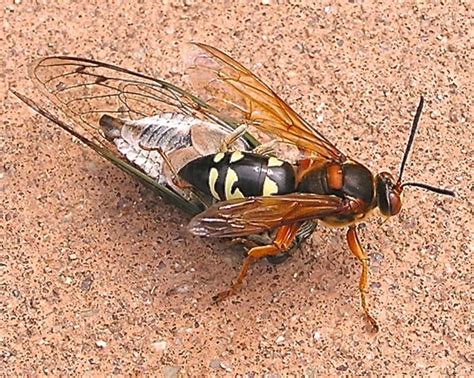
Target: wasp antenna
(414,126)
(430,188)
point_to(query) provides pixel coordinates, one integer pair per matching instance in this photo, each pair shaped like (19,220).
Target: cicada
(234,187)
(144,126)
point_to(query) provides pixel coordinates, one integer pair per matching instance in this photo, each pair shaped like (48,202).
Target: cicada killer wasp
(198,154)
(259,193)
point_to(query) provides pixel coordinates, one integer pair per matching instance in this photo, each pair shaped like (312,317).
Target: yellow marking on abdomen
(213,176)
(236,156)
(230,179)
(274,162)
(269,187)
(218,157)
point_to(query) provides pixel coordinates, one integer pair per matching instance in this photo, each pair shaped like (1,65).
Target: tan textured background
(98,276)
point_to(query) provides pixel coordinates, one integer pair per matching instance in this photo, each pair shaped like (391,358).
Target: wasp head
(388,190)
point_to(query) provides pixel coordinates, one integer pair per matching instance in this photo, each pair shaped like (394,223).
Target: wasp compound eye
(388,195)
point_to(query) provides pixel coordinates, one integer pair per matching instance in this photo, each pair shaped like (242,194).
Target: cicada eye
(389,198)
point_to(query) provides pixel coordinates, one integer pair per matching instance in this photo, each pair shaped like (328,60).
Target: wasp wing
(252,215)
(234,90)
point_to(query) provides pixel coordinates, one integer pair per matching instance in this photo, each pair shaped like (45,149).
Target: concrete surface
(98,277)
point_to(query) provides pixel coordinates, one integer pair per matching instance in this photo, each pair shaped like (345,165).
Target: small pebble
(469,357)
(375,285)
(280,340)
(87,284)
(159,346)
(215,364)
(67,280)
(170,371)
(434,114)
(101,343)
(182,289)
(226,367)
(342,367)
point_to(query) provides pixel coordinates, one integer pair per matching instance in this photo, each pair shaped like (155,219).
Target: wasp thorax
(388,194)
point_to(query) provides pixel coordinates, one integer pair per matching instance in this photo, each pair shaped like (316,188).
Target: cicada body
(126,117)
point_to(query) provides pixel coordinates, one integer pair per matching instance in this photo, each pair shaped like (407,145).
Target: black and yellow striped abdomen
(238,174)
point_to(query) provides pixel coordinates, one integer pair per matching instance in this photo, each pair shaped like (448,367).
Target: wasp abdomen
(239,174)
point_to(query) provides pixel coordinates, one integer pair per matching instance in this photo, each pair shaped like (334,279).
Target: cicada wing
(112,156)
(252,215)
(86,90)
(234,90)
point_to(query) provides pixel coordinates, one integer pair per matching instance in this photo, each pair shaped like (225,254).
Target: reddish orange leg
(283,240)
(356,248)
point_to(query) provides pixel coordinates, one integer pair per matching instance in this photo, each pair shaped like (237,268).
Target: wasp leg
(232,137)
(356,248)
(283,240)
(251,241)
(304,232)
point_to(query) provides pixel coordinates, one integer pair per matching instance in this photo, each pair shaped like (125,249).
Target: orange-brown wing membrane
(252,215)
(234,90)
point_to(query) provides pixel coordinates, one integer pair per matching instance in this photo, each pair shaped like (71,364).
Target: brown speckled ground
(96,275)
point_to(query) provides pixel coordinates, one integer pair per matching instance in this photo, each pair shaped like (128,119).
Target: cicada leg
(356,248)
(177,181)
(230,139)
(283,240)
(174,173)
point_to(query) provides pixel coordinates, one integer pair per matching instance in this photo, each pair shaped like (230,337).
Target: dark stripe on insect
(160,136)
(239,174)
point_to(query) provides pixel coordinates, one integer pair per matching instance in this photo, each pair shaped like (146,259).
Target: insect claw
(222,296)
(373,323)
